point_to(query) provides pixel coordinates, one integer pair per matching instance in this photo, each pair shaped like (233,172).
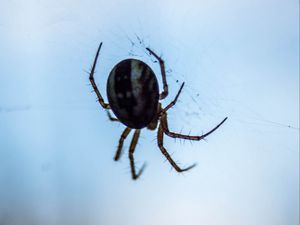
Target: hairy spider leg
(171,104)
(121,141)
(163,74)
(164,123)
(131,158)
(100,99)
(160,139)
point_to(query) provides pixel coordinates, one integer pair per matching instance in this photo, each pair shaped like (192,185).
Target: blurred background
(238,59)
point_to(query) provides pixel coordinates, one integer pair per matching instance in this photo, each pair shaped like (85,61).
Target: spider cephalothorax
(133,96)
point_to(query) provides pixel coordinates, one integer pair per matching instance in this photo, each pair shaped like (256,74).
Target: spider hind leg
(163,74)
(91,78)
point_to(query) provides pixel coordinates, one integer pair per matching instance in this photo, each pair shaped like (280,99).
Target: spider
(133,96)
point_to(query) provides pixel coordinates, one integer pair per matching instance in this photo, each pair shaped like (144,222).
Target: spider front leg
(166,130)
(164,122)
(121,141)
(131,158)
(163,74)
(160,139)
(100,99)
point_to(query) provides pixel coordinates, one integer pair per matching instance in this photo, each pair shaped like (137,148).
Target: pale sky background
(238,58)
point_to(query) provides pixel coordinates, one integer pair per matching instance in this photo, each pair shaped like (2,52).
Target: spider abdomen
(132,91)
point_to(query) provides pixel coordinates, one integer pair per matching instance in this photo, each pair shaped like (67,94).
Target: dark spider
(133,96)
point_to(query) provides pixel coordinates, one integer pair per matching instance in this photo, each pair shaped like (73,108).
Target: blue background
(238,58)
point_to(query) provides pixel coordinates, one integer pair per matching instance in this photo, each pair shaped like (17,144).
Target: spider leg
(164,123)
(100,99)
(121,141)
(171,104)
(131,158)
(160,139)
(110,117)
(163,74)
